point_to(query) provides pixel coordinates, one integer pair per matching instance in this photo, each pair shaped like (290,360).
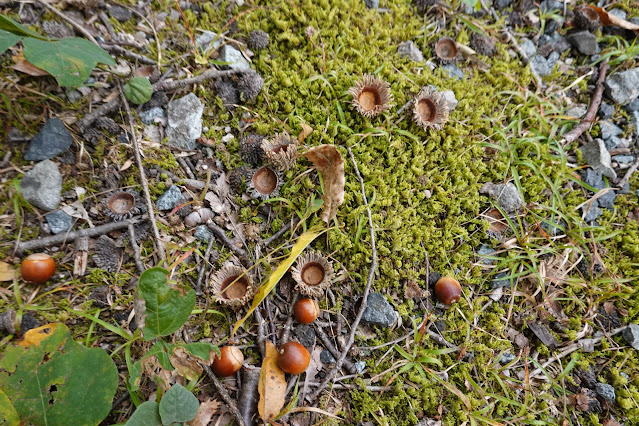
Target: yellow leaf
(6,272)
(272,386)
(37,335)
(304,240)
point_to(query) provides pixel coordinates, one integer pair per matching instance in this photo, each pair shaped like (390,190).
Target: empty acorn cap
(446,49)
(122,205)
(264,183)
(371,96)
(232,286)
(280,151)
(313,273)
(430,109)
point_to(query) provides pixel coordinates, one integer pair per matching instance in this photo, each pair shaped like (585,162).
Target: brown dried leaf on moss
(328,161)
(6,272)
(272,386)
(306,130)
(205,412)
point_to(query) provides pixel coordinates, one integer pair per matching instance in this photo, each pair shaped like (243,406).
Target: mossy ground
(423,190)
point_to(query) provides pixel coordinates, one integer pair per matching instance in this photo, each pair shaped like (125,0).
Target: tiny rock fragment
(543,334)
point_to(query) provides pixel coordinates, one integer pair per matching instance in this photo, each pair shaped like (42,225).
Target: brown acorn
(232,286)
(447,290)
(430,109)
(229,362)
(37,268)
(313,273)
(293,358)
(306,310)
(371,96)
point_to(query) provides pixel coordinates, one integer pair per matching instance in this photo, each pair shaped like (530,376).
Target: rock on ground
(41,186)
(205,41)
(598,157)
(506,195)
(59,221)
(170,199)
(235,59)
(631,335)
(379,312)
(148,116)
(584,42)
(623,87)
(52,140)
(606,391)
(408,50)
(449,95)
(184,122)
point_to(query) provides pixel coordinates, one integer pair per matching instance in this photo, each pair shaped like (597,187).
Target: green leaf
(51,379)
(7,40)
(161,351)
(138,90)
(201,350)
(178,405)
(7,411)
(147,414)
(69,60)
(167,309)
(8,24)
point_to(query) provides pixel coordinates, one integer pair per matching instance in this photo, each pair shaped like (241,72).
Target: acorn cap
(122,205)
(232,286)
(251,148)
(237,176)
(371,96)
(280,151)
(264,183)
(430,109)
(446,50)
(586,18)
(313,274)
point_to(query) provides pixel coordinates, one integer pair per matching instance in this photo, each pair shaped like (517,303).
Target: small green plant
(177,406)
(69,60)
(138,90)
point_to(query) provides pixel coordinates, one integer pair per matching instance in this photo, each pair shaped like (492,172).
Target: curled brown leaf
(328,161)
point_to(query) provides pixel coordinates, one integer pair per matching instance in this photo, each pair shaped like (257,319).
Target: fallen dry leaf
(6,272)
(205,412)
(306,130)
(272,386)
(328,161)
(26,67)
(608,19)
(185,364)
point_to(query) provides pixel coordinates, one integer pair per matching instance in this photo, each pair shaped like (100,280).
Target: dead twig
(73,235)
(221,235)
(225,395)
(249,396)
(261,335)
(369,281)
(136,249)
(200,275)
(326,342)
(291,224)
(577,131)
(143,181)
(119,50)
(629,172)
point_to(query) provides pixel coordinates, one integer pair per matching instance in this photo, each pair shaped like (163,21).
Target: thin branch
(577,131)
(71,22)
(629,172)
(221,235)
(143,181)
(205,261)
(291,224)
(326,342)
(136,249)
(369,281)
(249,395)
(62,238)
(119,50)
(225,395)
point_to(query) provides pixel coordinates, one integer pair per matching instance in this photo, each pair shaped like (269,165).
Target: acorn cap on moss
(313,274)
(232,286)
(482,44)
(446,50)
(264,183)
(237,176)
(371,96)
(586,18)
(258,40)
(251,148)
(122,205)
(280,151)
(430,109)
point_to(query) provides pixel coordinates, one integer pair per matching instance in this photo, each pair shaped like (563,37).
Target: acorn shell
(313,274)
(446,50)
(232,286)
(430,109)
(280,151)
(122,205)
(264,183)
(371,96)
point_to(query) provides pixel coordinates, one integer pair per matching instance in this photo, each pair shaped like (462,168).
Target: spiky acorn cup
(232,286)
(371,96)
(430,109)
(313,274)
(446,50)
(264,183)
(239,175)
(251,148)
(122,205)
(280,151)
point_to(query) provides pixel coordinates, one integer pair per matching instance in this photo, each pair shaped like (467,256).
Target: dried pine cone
(237,176)
(280,151)
(250,84)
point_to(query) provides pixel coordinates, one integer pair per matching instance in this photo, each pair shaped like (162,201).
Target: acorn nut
(447,290)
(229,362)
(306,311)
(37,268)
(293,358)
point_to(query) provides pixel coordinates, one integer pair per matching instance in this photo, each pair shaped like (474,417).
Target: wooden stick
(225,395)
(221,235)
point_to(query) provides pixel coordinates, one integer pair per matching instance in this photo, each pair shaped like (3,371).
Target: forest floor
(508,165)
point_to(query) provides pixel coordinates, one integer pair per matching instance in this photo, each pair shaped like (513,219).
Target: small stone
(158,99)
(483,253)
(408,50)
(305,334)
(550,5)
(326,357)
(449,95)
(592,213)
(619,13)
(554,228)
(609,130)
(623,87)
(258,40)
(379,312)
(502,280)
(57,29)
(506,358)
(453,71)
(148,116)
(593,179)
(553,25)
(528,47)
(506,195)
(234,57)
(208,40)
(74,96)
(170,199)
(606,391)
(598,157)
(59,221)
(371,4)
(543,334)
(606,111)
(53,139)
(430,65)
(184,123)
(631,334)
(615,142)
(624,159)
(202,233)
(360,366)
(42,185)
(120,13)
(633,106)
(584,42)
(502,4)
(544,66)
(577,111)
